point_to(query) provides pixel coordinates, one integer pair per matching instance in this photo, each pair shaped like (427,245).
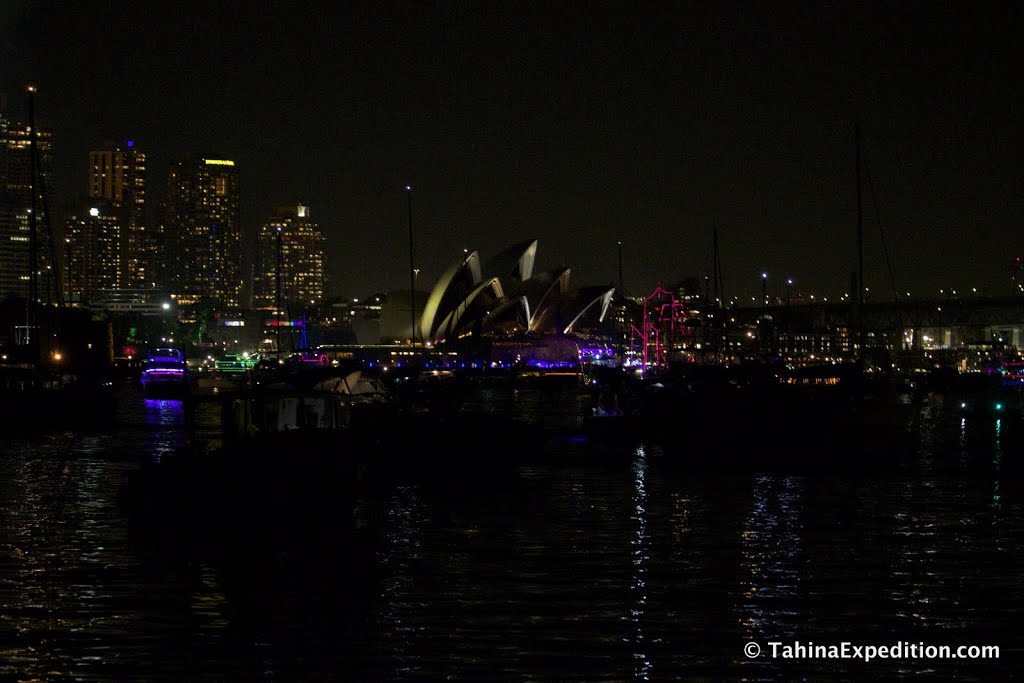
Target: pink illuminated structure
(664,323)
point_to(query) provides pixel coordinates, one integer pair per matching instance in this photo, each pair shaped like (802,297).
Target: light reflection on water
(772,546)
(165,412)
(640,568)
(400,557)
(166,421)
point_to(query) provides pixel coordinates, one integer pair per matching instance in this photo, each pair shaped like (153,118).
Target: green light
(999,406)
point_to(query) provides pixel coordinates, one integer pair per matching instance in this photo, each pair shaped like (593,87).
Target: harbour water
(638,567)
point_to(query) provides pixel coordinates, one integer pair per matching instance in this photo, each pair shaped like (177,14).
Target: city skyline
(577,128)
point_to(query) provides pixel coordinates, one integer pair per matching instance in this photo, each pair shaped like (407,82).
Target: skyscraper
(291,244)
(16,206)
(93,249)
(203,231)
(119,177)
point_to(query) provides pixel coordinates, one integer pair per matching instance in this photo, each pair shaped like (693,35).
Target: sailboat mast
(33,245)
(721,273)
(716,268)
(860,246)
(277,290)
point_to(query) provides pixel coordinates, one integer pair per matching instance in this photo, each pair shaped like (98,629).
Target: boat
(236,363)
(265,457)
(227,374)
(33,396)
(165,373)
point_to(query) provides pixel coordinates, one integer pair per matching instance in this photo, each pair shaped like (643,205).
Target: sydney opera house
(500,298)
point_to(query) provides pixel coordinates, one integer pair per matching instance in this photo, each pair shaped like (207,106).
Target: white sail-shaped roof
(449,291)
(452,321)
(603,299)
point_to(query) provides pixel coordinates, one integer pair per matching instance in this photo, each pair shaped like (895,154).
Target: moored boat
(263,457)
(164,372)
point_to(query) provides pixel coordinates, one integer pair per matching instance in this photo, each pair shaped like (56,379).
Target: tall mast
(716,270)
(277,290)
(860,247)
(718,306)
(33,245)
(721,274)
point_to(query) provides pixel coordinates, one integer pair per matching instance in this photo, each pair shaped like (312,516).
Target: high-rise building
(290,245)
(16,206)
(203,232)
(119,177)
(93,247)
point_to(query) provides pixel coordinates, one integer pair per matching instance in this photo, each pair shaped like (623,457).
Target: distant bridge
(950,320)
(952,312)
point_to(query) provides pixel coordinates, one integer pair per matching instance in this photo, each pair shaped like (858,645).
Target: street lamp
(621,290)
(412,269)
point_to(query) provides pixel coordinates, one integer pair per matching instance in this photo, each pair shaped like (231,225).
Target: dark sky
(575,123)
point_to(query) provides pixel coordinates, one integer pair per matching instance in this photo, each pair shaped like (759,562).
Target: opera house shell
(501,296)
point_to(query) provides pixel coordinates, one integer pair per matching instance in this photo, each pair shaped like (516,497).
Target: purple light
(131,143)
(160,375)
(164,411)
(549,365)
(164,359)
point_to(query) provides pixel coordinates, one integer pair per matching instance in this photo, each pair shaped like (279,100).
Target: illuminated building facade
(300,252)
(119,177)
(503,297)
(16,205)
(93,246)
(203,232)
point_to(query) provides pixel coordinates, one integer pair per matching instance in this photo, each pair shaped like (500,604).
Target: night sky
(578,124)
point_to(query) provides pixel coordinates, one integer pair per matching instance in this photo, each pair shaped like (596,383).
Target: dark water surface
(637,568)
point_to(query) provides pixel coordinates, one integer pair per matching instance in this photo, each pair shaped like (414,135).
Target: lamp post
(764,290)
(790,346)
(412,270)
(622,291)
